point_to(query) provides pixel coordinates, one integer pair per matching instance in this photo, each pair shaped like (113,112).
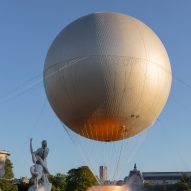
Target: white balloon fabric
(107,76)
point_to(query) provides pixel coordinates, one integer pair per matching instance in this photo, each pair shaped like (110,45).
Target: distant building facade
(136,178)
(163,177)
(21,180)
(103,173)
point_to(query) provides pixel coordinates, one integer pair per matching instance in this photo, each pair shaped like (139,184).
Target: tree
(58,182)
(23,186)
(185,183)
(185,178)
(8,170)
(5,183)
(80,179)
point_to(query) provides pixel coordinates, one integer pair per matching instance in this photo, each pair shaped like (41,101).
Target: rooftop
(4,152)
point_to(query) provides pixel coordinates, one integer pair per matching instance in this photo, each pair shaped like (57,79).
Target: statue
(39,170)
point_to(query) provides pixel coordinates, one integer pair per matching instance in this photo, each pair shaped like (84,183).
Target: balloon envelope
(107,76)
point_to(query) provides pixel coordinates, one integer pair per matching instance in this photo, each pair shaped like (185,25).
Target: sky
(27,28)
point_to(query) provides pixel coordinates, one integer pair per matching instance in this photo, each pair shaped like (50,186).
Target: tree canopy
(5,183)
(8,169)
(80,179)
(58,182)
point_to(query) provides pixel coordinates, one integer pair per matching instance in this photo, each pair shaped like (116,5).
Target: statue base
(46,187)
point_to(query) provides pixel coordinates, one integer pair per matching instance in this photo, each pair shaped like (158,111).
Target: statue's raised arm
(31,149)
(32,152)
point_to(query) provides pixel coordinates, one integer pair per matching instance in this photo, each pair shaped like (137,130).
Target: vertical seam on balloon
(156,94)
(131,69)
(83,131)
(141,36)
(61,68)
(138,104)
(112,132)
(62,78)
(96,133)
(87,134)
(146,52)
(127,81)
(74,79)
(109,88)
(107,130)
(113,91)
(74,84)
(160,98)
(91,131)
(114,95)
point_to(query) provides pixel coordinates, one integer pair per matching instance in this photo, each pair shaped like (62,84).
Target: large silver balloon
(107,76)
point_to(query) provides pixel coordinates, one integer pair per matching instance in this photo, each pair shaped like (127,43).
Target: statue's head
(44,144)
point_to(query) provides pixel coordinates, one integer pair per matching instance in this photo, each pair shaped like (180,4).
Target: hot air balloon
(107,76)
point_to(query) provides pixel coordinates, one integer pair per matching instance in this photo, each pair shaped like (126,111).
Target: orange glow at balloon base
(108,188)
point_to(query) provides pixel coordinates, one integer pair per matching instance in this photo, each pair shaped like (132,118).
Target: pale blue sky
(27,28)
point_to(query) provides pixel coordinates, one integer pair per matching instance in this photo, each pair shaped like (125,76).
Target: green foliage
(58,182)
(8,169)
(185,183)
(24,186)
(80,179)
(6,185)
(157,187)
(181,186)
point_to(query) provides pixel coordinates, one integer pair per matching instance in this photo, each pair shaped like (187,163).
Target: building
(3,157)
(163,177)
(103,173)
(135,178)
(21,180)
(24,180)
